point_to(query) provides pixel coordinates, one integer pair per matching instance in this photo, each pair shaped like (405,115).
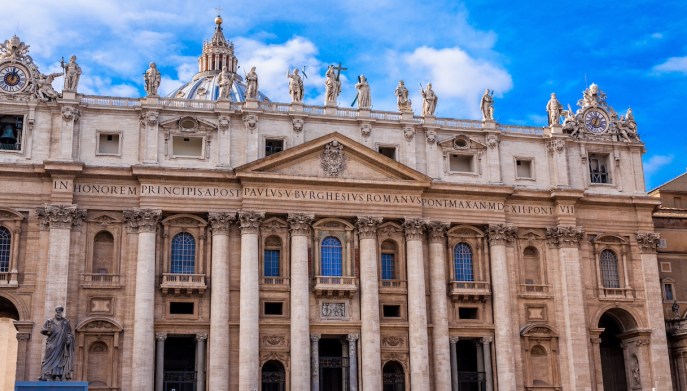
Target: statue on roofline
(364,98)
(72,73)
(252,84)
(429,100)
(486,105)
(225,80)
(332,86)
(295,86)
(554,109)
(152,80)
(402,100)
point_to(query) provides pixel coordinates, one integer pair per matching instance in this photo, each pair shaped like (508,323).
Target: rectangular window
(391,311)
(677,201)
(668,293)
(461,163)
(271,267)
(467,313)
(523,168)
(666,267)
(388,267)
(11,127)
(183,146)
(108,143)
(389,152)
(598,169)
(273,146)
(181,308)
(274,308)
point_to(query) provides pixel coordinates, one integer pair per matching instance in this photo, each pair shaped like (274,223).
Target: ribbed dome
(204,86)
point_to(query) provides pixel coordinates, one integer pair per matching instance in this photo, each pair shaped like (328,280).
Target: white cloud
(653,164)
(673,64)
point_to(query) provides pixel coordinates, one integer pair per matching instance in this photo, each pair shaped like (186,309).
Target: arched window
(393,377)
(462,262)
(103,252)
(272,257)
(331,257)
(389,269)
(183,254)
(5,249)
(273,376)
(532,266)
(609,269)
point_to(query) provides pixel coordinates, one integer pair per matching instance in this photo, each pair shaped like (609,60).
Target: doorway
(273,376)
(180,363)
(612,358)
(470,378)
(394,378)
(334,366)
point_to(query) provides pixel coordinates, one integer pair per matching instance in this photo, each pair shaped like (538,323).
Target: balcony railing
(335,285)
(393,284)
(616,293)
(100,280)
(275,281)
(9,279)
(176,283)
(469,290)
(534,289)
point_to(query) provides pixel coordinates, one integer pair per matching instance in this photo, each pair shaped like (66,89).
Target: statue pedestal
(252,104)
(51,385)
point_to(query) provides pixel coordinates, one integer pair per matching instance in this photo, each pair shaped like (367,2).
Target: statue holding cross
(332,84)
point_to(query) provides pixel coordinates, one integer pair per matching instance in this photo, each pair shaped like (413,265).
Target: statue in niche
(487,105)
(44,90)
(72,73)
(555,110)
(332,86)
(402,100)
(252,84)
(57,364)
(429,100)
(364,97)
(152,80)
(295,86)
(225,80)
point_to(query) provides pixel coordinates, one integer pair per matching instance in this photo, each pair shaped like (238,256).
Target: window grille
(388,266)
(462,262)
(609,269)
(5,246)
(183,254)
(331,257)
(271,263)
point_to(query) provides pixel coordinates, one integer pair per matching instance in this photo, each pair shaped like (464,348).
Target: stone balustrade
(469,290)
(177,283)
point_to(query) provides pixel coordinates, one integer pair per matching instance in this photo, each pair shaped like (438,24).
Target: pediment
(333,158)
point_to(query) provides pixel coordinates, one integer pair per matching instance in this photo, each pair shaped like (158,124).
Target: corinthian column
(660,366)
(370,347)
(499,235)
(574,336)
(59,219)
(417,305)
(249,311)
(300,301)
(218,368)
(437,288)
(144,221)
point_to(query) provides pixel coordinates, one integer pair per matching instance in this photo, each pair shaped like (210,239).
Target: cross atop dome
(217,52)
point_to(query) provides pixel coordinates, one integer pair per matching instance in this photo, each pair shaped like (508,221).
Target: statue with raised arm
(57,364)
(225,80)
(402,100)
(43,89)
(487,105)
(555,110)
(72,73)
(364,97)
(152,80)
(252,84)
(429,101)
(332,86)
(295,86)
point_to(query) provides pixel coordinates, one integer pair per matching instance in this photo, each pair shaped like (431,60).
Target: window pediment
(184,220)
(461,143)
(7,214)
(188,125)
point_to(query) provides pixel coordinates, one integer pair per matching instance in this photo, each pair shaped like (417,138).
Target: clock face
(13,78)
(596,121)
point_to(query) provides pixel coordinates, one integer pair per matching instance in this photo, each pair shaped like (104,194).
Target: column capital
(60,216)
(221,221)
(453,340)
(487,340)
(414,227)
(437,231)
(315,337)
(142,220)
(367,226)
(352,337)
(561,236)
(250,221)
(501,234)
(201,337)
(300,223)
(648,241)
(160,336)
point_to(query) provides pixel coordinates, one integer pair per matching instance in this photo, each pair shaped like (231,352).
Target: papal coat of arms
(333,159)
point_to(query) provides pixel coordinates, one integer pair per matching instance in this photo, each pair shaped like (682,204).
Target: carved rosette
(60,216)
(564,236)
(414,227)
(250,221)
(501,234)
(367,226)
(220,222)
(409,132)
(300,223)
(297,124)
(70,114)
(647,242)
(142,220)
(393,341)
(274,340)
(333,159)
(250,121)
(437,231)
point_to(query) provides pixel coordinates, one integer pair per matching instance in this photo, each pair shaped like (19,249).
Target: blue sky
(636,51)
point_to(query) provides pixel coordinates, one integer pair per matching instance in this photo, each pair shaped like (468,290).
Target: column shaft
(370,345)
(486,353)
(144,312)
(249,336)
(417,316)
(503,323)
(454,364)
(300,302)
(200,361)
(437,278)
(353,360)
(58,270)
(218,369)
(315,362)
(160,361)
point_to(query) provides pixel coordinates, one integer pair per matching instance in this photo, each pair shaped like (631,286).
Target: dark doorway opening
(180,363)
(273,376)
(612,360)
(470,378)
(393,376)
(334,374)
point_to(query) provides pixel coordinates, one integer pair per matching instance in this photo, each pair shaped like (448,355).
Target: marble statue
(592,97)
(57,364)
(43,89)
(152,80)
(252,84)
(364,98)
(332,86)
(72,73)
(487,105)
(401,92)
(225,80)
(555,110)
(429,101)
(295,86)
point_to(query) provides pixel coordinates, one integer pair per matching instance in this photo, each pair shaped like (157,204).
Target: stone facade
(476,254)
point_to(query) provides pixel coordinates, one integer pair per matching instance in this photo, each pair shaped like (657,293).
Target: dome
(217,53)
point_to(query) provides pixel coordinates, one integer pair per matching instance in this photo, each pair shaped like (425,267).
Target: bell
(7,136)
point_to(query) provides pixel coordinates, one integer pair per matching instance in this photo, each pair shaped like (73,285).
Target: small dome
(205,87)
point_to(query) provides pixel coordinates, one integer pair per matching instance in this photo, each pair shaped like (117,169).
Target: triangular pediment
(333,158)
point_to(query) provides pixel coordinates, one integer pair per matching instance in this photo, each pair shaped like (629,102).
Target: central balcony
(469,291)
(9,279)
(100,280)
(335,286)
(178,284)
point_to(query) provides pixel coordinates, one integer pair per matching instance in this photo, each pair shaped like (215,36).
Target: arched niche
(540,357)
(97,353)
